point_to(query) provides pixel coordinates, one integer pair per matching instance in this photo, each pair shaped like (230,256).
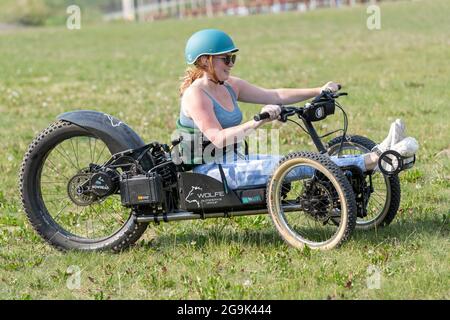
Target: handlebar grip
(261,116)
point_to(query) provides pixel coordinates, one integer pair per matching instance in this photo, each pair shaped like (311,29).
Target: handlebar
(261,116)
(323,99)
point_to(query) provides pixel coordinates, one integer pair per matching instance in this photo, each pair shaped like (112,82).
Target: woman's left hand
(273,110)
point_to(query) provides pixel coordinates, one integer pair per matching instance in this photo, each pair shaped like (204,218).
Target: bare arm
(200,109)
(253,94)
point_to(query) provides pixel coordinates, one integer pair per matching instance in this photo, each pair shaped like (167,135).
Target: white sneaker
(399,132)
(407,147)
(396,134)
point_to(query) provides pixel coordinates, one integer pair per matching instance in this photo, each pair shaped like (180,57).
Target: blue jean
(255,170)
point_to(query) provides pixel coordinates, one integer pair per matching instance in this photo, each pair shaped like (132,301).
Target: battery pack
(141,189)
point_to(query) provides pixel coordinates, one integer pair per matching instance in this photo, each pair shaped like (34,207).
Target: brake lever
(283,118)
(328,93)
(286,112)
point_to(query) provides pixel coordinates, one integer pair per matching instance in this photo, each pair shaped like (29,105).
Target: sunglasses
(228,59)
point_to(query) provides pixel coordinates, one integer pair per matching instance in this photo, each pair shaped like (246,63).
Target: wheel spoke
(55,170)
(99,156)
(65,155)
(96,218)
(75,153)
(90,149)
(93,152)
(44,174)
(52,182)
(60,211)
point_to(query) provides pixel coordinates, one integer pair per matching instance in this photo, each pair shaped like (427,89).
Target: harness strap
(224,179)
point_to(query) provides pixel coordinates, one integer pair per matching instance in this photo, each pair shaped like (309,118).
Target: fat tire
(341,180)
(36,212)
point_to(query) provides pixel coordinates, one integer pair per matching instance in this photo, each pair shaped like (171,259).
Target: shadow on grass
(200,239)
(406,230)
(399,232)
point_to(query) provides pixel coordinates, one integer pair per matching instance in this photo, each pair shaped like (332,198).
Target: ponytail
(193,73)
(190,75)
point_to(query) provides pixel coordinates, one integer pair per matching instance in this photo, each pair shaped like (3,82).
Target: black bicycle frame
(314,136)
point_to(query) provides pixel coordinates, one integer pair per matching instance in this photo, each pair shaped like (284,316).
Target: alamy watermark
(73,22)
(374,20)
(74,280)
(197,149)
(373,280)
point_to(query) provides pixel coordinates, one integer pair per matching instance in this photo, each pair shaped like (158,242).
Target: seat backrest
(191,147)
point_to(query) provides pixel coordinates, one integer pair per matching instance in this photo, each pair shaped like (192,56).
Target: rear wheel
(54,168)
(385,200)
(311,202)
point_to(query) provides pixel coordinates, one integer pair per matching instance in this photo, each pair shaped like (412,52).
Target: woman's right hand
(273,110)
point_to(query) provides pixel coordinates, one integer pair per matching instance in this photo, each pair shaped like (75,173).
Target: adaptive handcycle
(89,182)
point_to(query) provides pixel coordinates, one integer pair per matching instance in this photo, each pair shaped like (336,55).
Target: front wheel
(54,168)
(311,202)
(384,200)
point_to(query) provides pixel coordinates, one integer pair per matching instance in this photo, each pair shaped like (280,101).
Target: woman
(209,98)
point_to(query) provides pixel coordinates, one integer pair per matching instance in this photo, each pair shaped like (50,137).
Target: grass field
(132,71)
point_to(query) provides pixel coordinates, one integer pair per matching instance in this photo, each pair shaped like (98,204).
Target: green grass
(132,71)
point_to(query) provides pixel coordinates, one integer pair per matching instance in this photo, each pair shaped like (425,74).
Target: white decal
(190,193)
(319,112)
(111,118)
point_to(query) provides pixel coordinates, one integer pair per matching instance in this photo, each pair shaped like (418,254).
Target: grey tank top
(226,118)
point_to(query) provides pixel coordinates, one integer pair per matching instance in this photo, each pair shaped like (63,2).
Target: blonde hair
(193,73)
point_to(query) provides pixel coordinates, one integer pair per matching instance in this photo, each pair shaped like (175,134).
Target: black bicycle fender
(116,134)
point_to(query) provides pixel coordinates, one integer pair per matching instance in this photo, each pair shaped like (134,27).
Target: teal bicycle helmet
(208,42)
